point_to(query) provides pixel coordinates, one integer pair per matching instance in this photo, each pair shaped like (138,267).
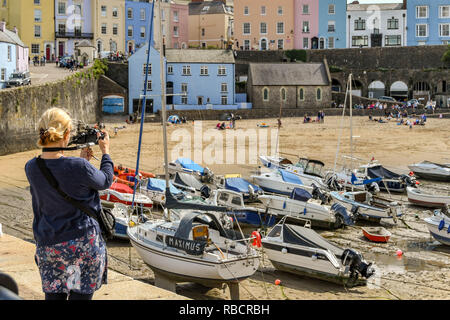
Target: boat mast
(342,127)
(279,125)
(351,127)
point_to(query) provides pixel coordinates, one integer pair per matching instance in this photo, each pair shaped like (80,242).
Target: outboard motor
(409,180)
(251,192)
(373,188)
(205,192)
(319,195)
(208,176)
(357,265)
(332,183)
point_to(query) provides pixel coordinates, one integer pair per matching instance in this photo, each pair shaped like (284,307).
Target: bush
(446,57)
(299,55)
(334,69)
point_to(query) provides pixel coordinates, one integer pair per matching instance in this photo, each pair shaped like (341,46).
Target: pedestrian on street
(71,253)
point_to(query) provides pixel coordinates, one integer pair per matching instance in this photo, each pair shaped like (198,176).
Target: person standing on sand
(70,250)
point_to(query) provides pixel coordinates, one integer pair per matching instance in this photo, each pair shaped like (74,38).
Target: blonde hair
(53,125)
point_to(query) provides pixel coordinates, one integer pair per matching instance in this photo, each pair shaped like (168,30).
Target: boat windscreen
(380,171)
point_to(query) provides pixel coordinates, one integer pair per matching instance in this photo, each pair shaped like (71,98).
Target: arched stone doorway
(336,85)
(376,89)
(263,44)
(399,91)
(357,88)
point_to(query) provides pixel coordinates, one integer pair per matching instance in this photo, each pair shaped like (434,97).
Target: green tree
(446,57)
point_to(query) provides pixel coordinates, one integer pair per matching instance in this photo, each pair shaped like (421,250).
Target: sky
(376,1)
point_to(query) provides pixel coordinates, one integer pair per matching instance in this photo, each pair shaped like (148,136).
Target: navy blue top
(55,219)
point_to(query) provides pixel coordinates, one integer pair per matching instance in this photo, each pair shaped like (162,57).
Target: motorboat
(280,181)
(188,183)
(302,251)
(122,193)
(439,226)
(364,205)
(274,162)
(186,165)
(431,171)
(427,199)
(249,191)
(376,234)
(301,204)
(155,189)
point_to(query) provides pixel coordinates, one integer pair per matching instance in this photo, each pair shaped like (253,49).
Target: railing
(78,35)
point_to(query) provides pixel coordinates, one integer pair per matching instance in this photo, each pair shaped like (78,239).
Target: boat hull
(374,237)
(443,236)
(279,187)
(427,200)
(253,218)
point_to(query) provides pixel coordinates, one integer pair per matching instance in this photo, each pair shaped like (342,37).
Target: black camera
(86,135)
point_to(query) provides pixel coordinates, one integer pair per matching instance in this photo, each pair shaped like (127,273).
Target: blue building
(332,24)
(428,22)
(137,23)
(8,57)
(205,76)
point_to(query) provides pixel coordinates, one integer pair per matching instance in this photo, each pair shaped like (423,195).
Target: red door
(47,52)
(61,49)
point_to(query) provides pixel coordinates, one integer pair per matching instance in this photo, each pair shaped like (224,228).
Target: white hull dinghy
(301,204)
(431,171)
(300,250)
(280,181)
(186,165)
(155,189)
(363,204)
(439,227)
(421,198)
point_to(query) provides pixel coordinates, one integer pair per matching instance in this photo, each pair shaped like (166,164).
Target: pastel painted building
(333,24)
(137,23)
(179,26)
(306,19)
(109,25)
(206,76)
(73,23)
(428,22)
(7,56)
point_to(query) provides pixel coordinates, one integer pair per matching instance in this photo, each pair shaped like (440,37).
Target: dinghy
(188,183)
(301,204)
(155,189)
(427,199)
(124,194)
(431,171)
(280,181)
(186,165)
(300,250)
(439,226)
(249,191)
(363,204)
(376,234)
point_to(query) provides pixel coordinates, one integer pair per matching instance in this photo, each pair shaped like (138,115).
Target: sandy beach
(422,271)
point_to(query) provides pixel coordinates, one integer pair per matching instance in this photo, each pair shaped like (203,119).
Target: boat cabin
(228,198)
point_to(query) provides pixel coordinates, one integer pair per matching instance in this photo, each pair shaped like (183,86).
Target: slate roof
(288,74)
(85,43)
(369,7)
(207,7)
(11,37)
(199,56)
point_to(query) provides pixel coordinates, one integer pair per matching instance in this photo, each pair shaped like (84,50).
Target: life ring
(256,239)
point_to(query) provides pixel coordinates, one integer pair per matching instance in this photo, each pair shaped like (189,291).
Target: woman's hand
(103,143)
(87,153)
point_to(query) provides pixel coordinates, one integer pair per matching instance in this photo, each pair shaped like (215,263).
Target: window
(186,70)
(331,9)
(422,12)
(61,28)
(392,23)
(421,30)
(142,14)
(280,10)
(184,87)
(305,26)
(37,31)
(115,28)
(142,33)
(444,30)
(263,10)
(393,40)
(331,26)
(247,44)
(360,41)
(149,85)
(224,87)
(163,15)
(37,15)
(77,30)
(103,28)
(204,70)
(37,2)
(77,9)
(175,31)
(130,13)
(301,94)
(265,94)
(280,44)
(224,100)
(175,16)
(184,99)
(263,28)
(280,27)
(61,8)
(9,53)
(246,12)
(319,94)
(149,69)
(3,75)
(331,43)
(305,9)
(222,71)
(305,43)
(170,69)
(35,48)
(360,24)
(246,28)
(444,12)
(130,31)
(115,13)
(103,9)
(283,95)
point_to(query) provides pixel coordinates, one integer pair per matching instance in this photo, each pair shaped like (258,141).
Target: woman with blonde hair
(70,250)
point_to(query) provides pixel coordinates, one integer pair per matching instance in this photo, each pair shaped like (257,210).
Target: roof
(85,43)
(11,37)
(288,74)
(207,7)
(370,6)
(199,56)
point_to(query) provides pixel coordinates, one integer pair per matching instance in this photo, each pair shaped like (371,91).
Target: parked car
(384,98)
(64,62)
(17,79)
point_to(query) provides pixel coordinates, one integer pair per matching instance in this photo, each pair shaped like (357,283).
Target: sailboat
(196,248)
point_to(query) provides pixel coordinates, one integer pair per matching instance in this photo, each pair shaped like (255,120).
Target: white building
(376,25)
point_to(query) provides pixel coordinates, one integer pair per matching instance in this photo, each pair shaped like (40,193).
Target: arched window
(319,94)
(301,94)
(266,94)
(283,94)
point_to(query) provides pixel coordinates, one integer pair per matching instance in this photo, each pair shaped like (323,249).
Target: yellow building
(109,25)
(35,22)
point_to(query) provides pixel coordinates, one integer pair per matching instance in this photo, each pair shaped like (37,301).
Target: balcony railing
(78,35)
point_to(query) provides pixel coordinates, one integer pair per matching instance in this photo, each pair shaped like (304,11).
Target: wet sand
(420,273)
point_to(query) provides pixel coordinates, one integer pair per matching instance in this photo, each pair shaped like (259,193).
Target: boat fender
(284,250)
(284,204)
(448,229)
(441,225)
(304,211)
(256,239)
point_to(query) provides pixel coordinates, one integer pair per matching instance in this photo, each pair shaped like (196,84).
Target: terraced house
(109,25)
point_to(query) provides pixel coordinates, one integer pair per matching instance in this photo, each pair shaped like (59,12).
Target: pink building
(306,20)
(179,17)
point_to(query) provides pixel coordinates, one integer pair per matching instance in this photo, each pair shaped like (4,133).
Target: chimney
(405,4)
(2,26)
(15,30)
